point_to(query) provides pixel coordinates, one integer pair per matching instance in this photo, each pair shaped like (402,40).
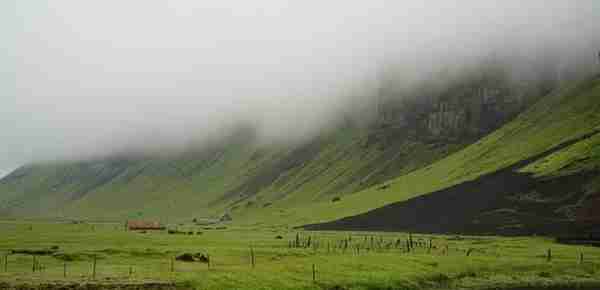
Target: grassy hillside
(563,125)
(233,175)
(362,169)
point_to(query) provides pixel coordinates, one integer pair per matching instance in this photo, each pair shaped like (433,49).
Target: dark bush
(186,257)
(198,257)
(33,252)
(544,274)
(336,199)
(201,258)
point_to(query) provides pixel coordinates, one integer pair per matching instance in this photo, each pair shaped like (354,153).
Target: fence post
(580,258)
(208,260)
(172,264)
(65,269)
(130,271)
(94,268)
(549,255)
(33,264)
(314,273)
(252,260)
(6,263)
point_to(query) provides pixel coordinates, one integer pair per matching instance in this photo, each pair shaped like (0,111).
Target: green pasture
(370,261)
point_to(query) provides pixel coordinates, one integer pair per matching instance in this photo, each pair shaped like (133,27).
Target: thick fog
(82,79)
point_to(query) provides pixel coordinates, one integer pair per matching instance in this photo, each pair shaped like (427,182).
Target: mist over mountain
(153,77)
(383,144)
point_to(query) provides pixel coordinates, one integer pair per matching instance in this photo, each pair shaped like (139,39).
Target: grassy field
(370,261)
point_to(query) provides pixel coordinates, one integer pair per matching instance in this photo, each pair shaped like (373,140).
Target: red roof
(144,225)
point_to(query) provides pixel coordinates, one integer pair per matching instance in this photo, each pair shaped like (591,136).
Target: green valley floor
(69,253)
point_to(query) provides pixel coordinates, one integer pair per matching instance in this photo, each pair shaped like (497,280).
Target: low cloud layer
(89,78)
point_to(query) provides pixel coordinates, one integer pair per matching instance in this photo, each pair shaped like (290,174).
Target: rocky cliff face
(472,110)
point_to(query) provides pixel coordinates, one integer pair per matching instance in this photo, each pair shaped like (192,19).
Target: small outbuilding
(139,225)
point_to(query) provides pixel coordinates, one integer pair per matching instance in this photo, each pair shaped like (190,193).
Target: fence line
(331,246)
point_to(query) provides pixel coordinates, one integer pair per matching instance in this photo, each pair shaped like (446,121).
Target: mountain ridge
(340,174)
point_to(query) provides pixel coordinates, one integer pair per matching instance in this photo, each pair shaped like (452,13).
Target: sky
(82,79)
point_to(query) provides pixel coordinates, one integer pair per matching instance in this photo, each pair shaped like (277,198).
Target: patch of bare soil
(489,204)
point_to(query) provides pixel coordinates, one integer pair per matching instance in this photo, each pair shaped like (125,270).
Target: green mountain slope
(424,150)
(234,175)
(543,165)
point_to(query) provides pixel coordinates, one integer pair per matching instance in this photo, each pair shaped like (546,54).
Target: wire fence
(104,265)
